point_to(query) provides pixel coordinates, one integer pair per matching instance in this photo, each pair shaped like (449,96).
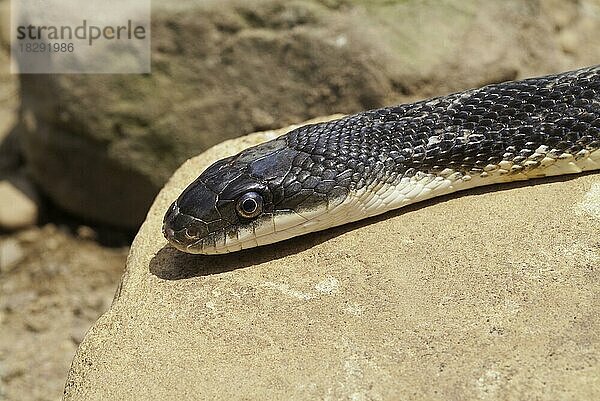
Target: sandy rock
(5,22)
(11,253)
(18,203)
(492,294)
(224,69)
(47,301)
(591,203)
(9,97)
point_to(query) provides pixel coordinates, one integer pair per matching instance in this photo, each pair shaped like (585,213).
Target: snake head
(243,201)
(206,215)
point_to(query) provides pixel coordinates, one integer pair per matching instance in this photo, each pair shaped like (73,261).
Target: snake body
(327,174)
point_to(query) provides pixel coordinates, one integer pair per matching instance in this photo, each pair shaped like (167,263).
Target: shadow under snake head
(250,199)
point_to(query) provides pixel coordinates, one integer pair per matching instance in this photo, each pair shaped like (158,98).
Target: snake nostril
(180,228)
(168,232)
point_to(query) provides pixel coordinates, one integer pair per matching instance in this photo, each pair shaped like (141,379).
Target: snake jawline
(381,198)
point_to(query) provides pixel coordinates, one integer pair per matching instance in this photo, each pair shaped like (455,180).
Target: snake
(328,174)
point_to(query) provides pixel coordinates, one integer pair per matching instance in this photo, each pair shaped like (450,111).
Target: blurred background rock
(93,150)
(101,146)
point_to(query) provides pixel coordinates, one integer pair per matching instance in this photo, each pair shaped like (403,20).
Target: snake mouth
(190,235)
(194,235)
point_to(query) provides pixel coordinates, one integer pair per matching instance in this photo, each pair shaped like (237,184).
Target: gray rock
(101,146)
(486,295)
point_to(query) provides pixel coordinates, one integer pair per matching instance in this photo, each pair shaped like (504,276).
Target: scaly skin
(324,175)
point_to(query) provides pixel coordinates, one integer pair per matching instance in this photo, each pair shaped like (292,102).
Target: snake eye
(249,205)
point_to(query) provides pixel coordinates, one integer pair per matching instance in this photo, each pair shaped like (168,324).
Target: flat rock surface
(491,294)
